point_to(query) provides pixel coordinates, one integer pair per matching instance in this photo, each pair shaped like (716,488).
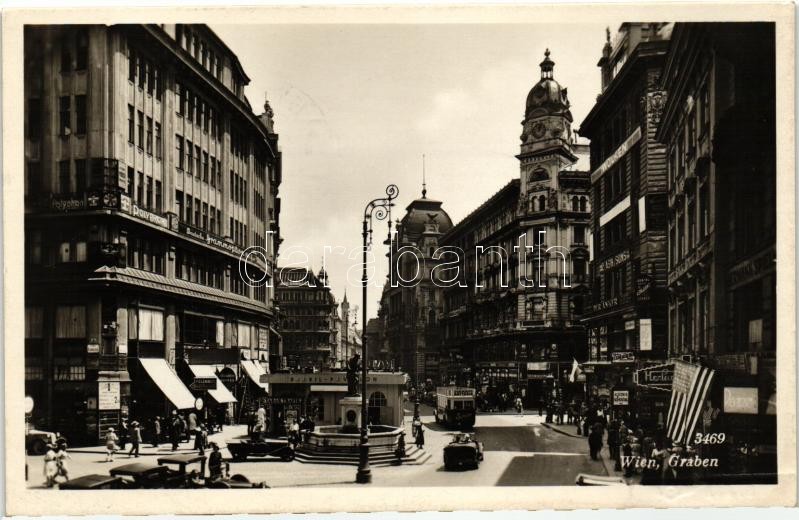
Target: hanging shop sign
(621,398)
(108,395)
(203,383)
(645,334)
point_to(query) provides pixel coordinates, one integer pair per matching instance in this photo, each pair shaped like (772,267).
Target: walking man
(135,438)
(420,437)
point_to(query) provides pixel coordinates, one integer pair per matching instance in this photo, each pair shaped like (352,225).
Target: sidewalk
(604,455)
(165,448)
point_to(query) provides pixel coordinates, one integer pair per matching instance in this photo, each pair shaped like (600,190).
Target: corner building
(513,323)
(626,319)
(147,175)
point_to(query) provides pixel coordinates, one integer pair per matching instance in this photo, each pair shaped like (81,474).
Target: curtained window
(70,321)
(34,322)
(151,325)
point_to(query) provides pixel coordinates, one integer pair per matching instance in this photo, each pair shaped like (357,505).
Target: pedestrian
(199,439)
(595,442)
(518,404)
(613,440)
(540,406)
(61,459)
(627,451)
(156,429)
(135,439)
(192,425)
(417,423)
(110,445)
(215,462)
(123,433)
(420,437)
(174,430)
(185,434)
(50,465)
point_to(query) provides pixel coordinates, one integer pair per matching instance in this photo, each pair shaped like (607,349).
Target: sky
(357,106)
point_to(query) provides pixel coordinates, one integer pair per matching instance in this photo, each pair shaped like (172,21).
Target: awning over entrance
(254,371)
(329,388)
(221,394)
(168,382)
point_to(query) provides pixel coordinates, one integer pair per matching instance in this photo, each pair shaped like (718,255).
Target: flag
(575,370)
(688,392)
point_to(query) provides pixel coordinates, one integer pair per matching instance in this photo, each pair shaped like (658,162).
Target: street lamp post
(379,209)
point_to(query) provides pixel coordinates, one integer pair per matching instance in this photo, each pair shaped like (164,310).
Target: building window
(150,135)
(149,199)
(140,189)
(703,212)
(131,175)
(542,203)
(66,56)
(131,123)
(179,204)
(196,212)
(64,119)
(158,196)
(80,115)
(579,234)
(158,140)
(190,110)
(151,325)
(157,81)
(198,157)
(70,321)
(132,66)
(181,95)
(583,204)
(34,322)
(141,74)
(82,48)
(64,177)
(205,216)
(189,200)
(80,176)
(140,129)
(179,151)
(34,118)
(213,172)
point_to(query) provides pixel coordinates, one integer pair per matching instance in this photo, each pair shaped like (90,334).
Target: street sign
(621,398)
(203,383)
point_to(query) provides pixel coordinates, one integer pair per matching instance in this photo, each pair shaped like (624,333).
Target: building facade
(307,312)
(626,319)
(147,175)
(718,125)
(512,322)
(411,298)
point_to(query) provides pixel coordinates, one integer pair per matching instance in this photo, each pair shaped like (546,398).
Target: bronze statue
(353,369)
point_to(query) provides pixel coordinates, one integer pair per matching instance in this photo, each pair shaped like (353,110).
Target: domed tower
(546,139)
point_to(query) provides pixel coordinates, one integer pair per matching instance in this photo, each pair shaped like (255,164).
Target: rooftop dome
(547,94)
(418,214)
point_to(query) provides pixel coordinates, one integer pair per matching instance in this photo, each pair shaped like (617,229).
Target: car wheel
(287,457)
(38,447)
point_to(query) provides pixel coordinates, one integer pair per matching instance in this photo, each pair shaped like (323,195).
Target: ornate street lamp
(379,209)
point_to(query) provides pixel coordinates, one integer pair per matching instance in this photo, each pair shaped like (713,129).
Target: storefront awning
(254,370)
(168,382)
(221,394)
(329,388)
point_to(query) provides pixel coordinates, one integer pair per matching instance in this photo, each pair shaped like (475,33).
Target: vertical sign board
(740,400)
(108,395)
(645,333)
(621,398)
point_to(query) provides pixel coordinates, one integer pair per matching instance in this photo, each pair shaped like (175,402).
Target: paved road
(519,451)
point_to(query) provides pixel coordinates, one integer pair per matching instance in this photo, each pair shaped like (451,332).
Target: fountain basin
(332,439)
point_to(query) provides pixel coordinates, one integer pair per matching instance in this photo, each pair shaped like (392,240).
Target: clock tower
(546,138)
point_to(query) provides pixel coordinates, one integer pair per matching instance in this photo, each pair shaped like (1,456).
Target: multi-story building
(147,175)
(410,300)
(307,309)
(512,324)
(626,320)
(718,125)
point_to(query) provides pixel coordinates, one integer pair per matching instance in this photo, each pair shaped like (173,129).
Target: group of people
(179,428)
(55,462)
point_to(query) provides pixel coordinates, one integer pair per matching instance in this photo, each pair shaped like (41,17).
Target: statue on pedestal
(353,371)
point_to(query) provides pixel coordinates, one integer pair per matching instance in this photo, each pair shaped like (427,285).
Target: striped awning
(220,394)
(168,382)
(254,371)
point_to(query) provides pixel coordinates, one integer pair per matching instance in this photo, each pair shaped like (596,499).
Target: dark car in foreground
(463,452)
(240,450)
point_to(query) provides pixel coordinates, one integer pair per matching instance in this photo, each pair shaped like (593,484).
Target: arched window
(583,204)
(575,203)
(542,203)
(377,401)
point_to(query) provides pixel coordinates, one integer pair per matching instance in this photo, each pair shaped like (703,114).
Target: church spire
(546,66)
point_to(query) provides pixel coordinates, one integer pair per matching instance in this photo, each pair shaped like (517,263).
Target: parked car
(141,475)
(94,481)
(183,471)
(36,441)
(464,451)
(281,448)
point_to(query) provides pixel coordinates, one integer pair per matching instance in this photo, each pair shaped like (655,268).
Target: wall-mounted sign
(629,325)
(645,334)
(149,216)
(108,395)
(68,203)
(740,400)
(624,356)
(93,348)
(613,261)
(617,154)
(621,398)
(203,383)
(658,376)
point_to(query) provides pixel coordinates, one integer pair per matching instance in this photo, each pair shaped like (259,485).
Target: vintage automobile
(584,479)
(178,474)
(464,451)
(36,441)
(240,450)
(94,481)
(141,475)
